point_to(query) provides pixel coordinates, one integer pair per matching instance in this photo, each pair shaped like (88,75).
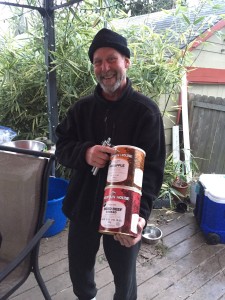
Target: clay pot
(181,187)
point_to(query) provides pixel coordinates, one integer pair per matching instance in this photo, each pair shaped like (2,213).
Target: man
(115,110)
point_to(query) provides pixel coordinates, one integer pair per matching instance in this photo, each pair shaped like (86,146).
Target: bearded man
(117,111)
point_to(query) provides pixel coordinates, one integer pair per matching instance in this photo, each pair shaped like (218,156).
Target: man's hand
(98,156)
(128,241)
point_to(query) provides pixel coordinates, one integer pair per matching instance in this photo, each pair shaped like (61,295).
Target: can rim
(107,231)
(132,147)
(124,187)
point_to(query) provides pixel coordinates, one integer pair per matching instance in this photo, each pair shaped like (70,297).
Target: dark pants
(83,245)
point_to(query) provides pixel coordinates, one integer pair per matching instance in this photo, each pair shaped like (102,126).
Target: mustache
(107,74)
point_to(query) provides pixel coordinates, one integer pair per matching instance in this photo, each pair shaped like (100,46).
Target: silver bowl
(27,144)
(151,234)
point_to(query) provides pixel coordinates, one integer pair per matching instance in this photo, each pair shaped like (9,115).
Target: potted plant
(177,179)
(168,192)
(185,172)
(180,182)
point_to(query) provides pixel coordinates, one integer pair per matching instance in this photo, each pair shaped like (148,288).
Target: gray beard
(112,89)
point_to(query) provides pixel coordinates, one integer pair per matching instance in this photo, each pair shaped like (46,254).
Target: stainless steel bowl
(27,144)
(151,234)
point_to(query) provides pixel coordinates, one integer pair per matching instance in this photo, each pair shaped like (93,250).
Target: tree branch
(40,9)
(69,3)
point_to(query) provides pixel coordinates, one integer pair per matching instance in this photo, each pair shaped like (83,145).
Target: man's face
(110,69)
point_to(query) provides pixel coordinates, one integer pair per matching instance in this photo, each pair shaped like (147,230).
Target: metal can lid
(129,146)
(124,187)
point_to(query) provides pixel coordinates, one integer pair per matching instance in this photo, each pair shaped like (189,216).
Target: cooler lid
(214,185)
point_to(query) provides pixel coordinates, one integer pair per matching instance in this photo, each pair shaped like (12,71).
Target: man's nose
(105,66)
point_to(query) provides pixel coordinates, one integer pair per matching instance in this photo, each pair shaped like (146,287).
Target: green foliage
(141,7)
(22,95)
(157,64)
(179,172)
(23,103)
(74,71)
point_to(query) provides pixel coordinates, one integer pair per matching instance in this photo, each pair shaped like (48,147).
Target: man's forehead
(106,51)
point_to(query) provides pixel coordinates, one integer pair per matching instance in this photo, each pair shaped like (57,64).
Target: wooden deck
(181,266)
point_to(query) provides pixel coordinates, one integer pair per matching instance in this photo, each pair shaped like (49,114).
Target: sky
(4,14)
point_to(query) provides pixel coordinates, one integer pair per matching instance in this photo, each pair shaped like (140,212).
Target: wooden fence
(207,132)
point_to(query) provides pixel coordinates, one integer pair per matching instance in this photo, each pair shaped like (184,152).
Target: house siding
(211,54)
(214,90)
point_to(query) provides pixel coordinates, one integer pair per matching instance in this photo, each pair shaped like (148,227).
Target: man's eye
(111,59)
(97,63)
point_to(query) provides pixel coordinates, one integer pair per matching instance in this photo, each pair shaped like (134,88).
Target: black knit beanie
(109,38)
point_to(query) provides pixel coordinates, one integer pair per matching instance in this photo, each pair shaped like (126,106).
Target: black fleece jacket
(131,120)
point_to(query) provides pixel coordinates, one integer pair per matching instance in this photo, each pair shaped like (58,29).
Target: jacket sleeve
(152,140)
(70,149)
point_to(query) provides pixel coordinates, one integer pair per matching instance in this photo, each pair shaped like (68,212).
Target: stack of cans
(121,204)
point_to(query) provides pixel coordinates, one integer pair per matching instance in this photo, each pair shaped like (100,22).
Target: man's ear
(127,63)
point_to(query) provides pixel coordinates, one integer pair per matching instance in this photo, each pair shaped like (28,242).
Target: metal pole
(51,89)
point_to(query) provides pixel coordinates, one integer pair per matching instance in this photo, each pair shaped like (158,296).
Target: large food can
(121,203)
(120,210)
(126,167)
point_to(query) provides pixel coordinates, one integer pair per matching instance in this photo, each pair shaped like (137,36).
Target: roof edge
(207,34)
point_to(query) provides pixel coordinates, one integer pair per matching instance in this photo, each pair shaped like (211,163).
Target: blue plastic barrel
(57,188)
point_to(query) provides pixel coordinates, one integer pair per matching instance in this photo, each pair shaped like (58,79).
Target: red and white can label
(126,167)
(120,210)
(118,170)
(113,214)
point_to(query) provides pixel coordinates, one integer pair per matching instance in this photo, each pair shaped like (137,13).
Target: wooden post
(185,121)
(176,143)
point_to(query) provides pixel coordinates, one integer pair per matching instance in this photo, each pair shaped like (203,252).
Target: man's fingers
(98,156)
(101,155)
(107,149)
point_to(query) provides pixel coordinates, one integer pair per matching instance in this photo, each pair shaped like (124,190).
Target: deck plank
(181,266)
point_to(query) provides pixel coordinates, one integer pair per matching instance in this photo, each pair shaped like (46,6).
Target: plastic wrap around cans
(126,167)
(120,210)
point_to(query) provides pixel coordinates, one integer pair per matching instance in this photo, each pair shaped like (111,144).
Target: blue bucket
(57,188)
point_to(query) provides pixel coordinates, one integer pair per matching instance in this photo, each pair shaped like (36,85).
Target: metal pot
(151,234)
(27,144)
